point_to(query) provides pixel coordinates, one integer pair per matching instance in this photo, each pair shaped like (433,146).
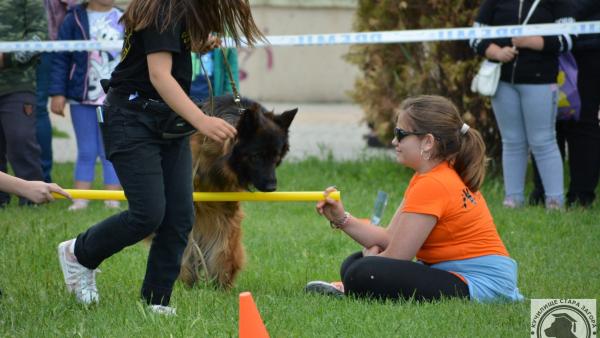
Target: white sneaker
(78,205)
(162,310)
(325,288)
(112,204)
(79,279)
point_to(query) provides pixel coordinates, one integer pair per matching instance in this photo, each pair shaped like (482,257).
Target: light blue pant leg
(539,102)
(89,145)
(509,115)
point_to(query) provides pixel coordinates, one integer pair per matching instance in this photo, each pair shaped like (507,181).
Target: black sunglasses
(401,133)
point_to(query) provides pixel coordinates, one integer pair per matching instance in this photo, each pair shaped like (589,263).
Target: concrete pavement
(317,130)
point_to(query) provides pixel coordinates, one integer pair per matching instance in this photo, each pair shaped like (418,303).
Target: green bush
(392,72)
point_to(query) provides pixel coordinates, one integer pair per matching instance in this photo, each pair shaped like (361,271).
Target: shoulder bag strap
(531,10)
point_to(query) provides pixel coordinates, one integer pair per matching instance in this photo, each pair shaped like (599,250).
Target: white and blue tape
(416,35)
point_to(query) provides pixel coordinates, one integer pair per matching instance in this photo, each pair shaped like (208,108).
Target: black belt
(173,127)
(138,103)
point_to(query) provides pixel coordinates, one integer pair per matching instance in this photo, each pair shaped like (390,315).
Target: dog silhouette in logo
(562,327)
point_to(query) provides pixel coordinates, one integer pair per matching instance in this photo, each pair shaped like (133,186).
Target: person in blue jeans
(525,103)
(42,123)
(55,10)
(76,76)
(214,64)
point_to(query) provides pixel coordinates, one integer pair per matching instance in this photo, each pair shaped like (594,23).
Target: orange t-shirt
(465,228)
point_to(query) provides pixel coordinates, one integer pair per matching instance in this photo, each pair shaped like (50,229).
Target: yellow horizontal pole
(280,196)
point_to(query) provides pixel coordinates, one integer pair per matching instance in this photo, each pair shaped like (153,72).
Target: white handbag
(487,78)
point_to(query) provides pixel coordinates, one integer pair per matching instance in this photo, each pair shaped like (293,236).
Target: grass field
(287,245)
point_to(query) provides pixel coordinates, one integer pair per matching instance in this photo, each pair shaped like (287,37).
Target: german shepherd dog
(215,252)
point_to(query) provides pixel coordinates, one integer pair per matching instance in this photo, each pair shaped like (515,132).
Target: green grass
(59,133)
(287,245)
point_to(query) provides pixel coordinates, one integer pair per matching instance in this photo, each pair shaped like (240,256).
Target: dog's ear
(285,119)
(248,123)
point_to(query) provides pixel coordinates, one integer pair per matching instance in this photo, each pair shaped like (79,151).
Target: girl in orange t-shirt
(443,220)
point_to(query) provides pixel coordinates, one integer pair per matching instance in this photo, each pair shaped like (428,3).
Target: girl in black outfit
(147,88)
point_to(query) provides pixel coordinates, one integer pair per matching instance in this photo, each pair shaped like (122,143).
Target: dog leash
(210,88)
(236,95)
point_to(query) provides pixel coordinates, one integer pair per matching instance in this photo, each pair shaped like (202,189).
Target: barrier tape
(415,35)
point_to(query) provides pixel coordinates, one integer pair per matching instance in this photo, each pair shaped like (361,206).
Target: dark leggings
(156,175)
(387,278)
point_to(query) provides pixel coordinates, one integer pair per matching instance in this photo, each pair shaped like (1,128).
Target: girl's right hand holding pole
(372,237)
(329,208)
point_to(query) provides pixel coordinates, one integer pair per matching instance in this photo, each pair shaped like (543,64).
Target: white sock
(72,247)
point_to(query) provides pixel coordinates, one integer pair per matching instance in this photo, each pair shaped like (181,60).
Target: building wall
(297,74)
(314,73)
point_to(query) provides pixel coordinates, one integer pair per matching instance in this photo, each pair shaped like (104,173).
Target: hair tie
(465,127)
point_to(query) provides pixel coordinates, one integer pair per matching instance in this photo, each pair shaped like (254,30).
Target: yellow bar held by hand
(280,196)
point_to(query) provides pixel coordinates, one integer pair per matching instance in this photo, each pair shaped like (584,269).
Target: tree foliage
(392,72)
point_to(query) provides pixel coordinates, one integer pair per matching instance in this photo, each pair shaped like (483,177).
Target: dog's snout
(267,187)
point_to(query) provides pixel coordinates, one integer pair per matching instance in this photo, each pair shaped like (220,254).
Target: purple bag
(569,102)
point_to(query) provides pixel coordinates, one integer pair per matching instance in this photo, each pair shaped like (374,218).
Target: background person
(21,20)
(156,173)
(215,67)
(35,191)
(443,220)
(76,75)
(55,11)
(525,103)
(582,137)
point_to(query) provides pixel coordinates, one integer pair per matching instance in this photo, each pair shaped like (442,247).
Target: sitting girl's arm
(159,67)
(407,233)
(366,234)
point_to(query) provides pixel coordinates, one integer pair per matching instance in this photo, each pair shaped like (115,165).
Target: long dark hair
(202,17)
(439,116)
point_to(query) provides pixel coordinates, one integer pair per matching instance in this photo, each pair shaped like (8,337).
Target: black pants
(582,140)
(18,140)
(156,176)
(583,136)
(386,278)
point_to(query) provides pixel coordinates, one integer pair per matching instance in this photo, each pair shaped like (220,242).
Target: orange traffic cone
(251,325)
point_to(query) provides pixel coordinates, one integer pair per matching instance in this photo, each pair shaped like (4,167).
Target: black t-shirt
(131,74)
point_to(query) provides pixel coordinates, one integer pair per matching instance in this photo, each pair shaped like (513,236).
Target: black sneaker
(325,288)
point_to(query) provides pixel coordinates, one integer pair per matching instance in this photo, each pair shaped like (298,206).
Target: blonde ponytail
(470,160)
